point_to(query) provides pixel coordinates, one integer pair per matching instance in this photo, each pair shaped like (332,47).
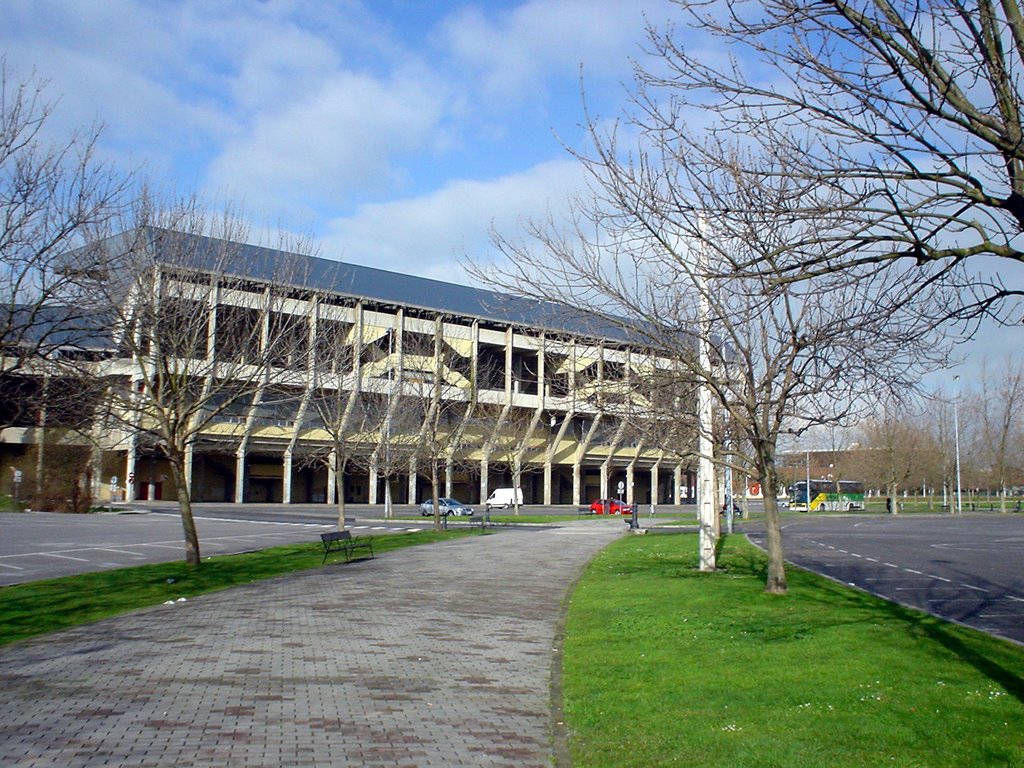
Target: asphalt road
(40,545)
(43,545)
(966,568)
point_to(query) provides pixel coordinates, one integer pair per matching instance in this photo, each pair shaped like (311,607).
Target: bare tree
(513,434)
(646,255)
(909,113)
(336,397)
(51,194)
(1002,426)
(443,397)
(895,450)
(195,337)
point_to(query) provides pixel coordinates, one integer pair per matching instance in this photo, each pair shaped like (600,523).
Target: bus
(827,495)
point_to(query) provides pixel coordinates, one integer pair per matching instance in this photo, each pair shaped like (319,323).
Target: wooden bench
(344,541)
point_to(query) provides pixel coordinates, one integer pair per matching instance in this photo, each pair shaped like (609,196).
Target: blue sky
(396,132)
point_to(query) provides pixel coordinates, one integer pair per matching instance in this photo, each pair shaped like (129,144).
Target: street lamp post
(956,442)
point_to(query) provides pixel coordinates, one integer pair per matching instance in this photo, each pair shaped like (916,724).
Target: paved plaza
(436,655)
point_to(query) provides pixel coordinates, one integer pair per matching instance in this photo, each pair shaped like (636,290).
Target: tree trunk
(188,522)
(434,495)
(776,582)
(339,488)
(891,491)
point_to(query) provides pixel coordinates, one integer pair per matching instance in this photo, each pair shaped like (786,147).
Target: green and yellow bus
(827,496)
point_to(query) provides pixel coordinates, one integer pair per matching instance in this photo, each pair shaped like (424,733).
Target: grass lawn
(46,606)
(667,666)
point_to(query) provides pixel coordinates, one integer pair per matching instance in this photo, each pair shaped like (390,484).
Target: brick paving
(437,655)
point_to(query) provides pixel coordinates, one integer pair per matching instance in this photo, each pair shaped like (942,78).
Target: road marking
(12,567)
(890,565)
(911,570)
(64,557)
(971,586)
(854,554)
(940,578)
(120,552)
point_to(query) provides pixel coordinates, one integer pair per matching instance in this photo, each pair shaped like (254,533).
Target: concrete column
(448,478)
(484,491)
(130,460)
(629,482)
(189,459)
(373,480)
(240,476)
(576,482)
(547,482)
(677,483)
(332,478)
(604,481)
(654,484)
(286,476)
(413,477)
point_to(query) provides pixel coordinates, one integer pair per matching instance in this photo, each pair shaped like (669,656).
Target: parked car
(610,507)
(502,498)
(447,507)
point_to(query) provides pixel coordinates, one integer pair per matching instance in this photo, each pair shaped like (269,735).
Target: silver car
(447,507)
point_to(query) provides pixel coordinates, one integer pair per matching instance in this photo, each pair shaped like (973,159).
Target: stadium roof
(368,283)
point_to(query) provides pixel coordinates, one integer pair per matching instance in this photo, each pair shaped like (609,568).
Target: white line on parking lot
(63,557)
(911,570)
(940,578)
(120,552)
(12,567)
(971,586)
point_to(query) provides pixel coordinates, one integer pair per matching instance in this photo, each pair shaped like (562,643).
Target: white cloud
(429,235)
(329,142)
(512,51)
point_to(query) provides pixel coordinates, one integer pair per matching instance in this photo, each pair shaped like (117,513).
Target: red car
(611,507)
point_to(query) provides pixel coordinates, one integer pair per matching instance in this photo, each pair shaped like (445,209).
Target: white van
(504,497)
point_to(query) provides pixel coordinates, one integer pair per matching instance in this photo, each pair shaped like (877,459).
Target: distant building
(522,381)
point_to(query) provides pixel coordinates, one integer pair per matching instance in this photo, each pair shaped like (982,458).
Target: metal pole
(807,489)
(705,447)
(956,440)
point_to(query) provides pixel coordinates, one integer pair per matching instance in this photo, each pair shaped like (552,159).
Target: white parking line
(12,567)
(120,552)
(63,557)
(977,589)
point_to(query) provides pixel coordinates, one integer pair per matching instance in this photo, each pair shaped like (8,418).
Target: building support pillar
(286,476)
(374,481)
(332,477)
(240,475)
(131,458)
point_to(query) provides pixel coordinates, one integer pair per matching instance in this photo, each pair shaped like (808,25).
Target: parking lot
(43,545)
(965,568)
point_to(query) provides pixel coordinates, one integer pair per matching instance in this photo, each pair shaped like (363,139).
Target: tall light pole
(807,489)
(956,442)
(705,447)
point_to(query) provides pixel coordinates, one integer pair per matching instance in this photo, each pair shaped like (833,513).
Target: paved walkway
(438,655)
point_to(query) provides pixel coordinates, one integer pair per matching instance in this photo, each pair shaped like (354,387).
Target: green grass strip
(666,666)
(38,607)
